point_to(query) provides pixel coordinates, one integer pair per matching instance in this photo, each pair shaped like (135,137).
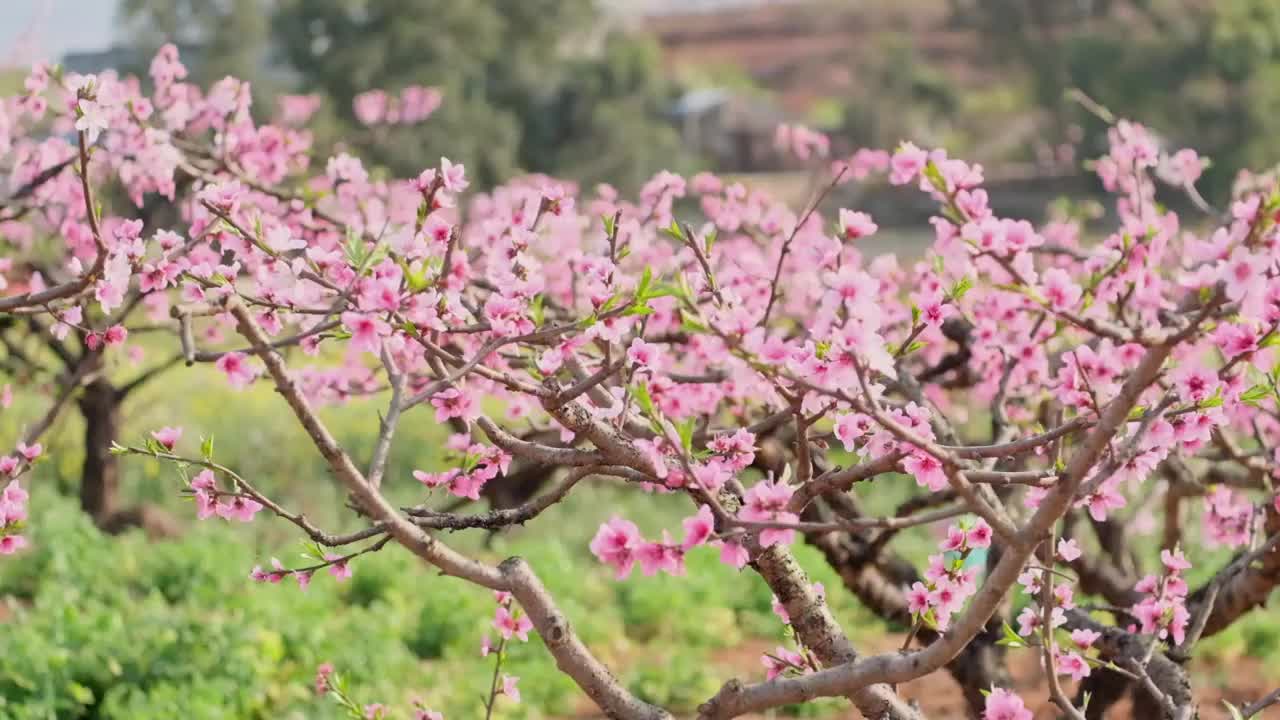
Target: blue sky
(31,29)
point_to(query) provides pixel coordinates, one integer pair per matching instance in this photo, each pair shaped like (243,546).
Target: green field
(123,627)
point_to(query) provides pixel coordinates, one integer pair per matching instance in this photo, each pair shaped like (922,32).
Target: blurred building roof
(802,50)
(673,7)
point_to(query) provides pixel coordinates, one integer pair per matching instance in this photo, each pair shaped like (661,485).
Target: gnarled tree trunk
(100,402)
(100,474)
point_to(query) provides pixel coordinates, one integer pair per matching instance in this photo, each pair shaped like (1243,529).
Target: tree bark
(100,473)
(100,402)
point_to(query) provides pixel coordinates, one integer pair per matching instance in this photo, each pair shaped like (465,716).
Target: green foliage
(530,86)
(114,628)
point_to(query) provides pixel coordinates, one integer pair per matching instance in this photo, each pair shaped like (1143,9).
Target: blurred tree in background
(230,37)
(1200,72)
(529,85)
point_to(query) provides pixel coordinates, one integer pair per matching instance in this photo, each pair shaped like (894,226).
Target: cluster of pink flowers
(414,104)
(1031,619)
(801,141)
(508,620)
(860,165)
(478,464)
(948,583)
(1163,611)
(619,544)
(642,345)
(1228,518)
(1005,705)
(860,431)
(211,501)
(13,515)
(338,567)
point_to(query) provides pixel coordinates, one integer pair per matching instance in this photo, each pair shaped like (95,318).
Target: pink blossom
(167,436)
(955,541)
(434,480)
(1059,290)
(616,544)
(926,469)
(323,673)
(367,331)
(30,452)
(698,529)
(115,335)
(453,403)
(1181,168)
(239,508)
(1174,560)
(907,162)
(1068,549)
(370,107)
(508,624)
(10,544)
(1195,383)
(918,599)
(781,661)
(1002,704)
(453,176)
(1084,638)
(204,489)
(236,367)
(509,687)
(855,225)
(1072,664)
(340,569)
(643,353)
(734,554)
(1243,272)
(979,536)
(92,119)
(661,556)
(767,502)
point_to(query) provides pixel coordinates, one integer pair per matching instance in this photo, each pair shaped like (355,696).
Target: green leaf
(637,309)
(645,280)
(118,449)
(640,392)
(206,447)
(1235,711)
(609,228)
(1271,340)
(685,431)
(1215,401)
(934,176)
(537,309)
(1137,412)
(80,693)
(1255,394)
(1011,638)
(690,323)
(710,242)
(915,315)
(962,286)
(914,346)
(674,231)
